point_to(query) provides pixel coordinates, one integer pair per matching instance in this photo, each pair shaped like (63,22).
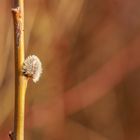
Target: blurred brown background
(90,86)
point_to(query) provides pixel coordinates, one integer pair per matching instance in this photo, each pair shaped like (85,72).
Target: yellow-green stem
(20,80)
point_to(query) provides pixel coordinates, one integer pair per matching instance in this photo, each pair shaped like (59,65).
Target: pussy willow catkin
(32,68)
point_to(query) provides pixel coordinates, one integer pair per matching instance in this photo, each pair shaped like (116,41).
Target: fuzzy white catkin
(32,68)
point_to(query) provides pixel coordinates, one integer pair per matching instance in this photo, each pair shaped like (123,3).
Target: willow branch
(20,80)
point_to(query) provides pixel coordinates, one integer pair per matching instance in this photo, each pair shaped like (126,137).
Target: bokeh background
(90,86)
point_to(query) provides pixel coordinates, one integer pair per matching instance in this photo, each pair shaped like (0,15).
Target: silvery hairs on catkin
(32,68)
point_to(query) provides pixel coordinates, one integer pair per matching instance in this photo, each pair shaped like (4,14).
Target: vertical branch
(20,80)
(24,70)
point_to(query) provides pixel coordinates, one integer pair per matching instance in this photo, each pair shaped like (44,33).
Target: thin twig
(20,80)
(24,70)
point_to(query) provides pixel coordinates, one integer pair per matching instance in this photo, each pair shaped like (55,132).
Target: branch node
(16,11)
(12,135)
(17,24)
